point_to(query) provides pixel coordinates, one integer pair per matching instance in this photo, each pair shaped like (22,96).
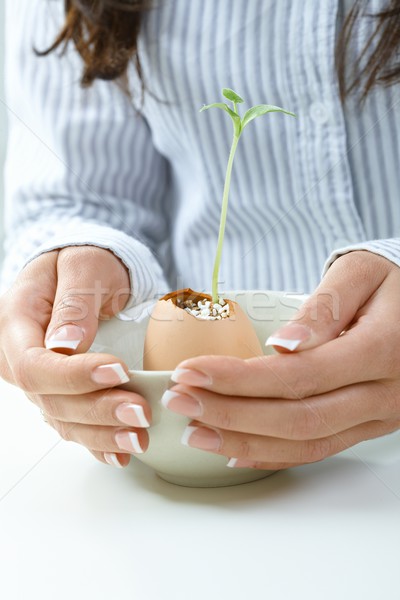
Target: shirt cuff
(389,248)
(146,277)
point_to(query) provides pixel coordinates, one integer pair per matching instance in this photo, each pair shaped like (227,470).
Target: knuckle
(305,388)
(98,441)
(316,450)
(381,357)
(297,381)
(305,424)
(22,373)
(64,430)
(98,410)
(34,398)
(223,419)
(244,448)
(4,311)
(5,369)
(73,306)
(71,381)
(49,405)
(304,382)
(234,369)
(387,394)
(390,353)
(324,308)
(392,362)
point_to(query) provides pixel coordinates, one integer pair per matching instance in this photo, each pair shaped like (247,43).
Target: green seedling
(239,123)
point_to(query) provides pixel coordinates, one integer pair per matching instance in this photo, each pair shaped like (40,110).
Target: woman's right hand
(48,320)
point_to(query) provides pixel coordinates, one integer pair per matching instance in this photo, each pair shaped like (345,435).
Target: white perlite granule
(205,309)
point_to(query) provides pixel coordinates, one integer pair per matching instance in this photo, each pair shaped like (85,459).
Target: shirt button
(319,113)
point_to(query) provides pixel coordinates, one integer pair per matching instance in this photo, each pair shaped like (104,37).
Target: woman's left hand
(339,387)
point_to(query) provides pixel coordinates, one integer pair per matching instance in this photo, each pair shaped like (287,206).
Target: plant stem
(222,223)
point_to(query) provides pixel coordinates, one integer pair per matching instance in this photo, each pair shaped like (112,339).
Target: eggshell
(174,335)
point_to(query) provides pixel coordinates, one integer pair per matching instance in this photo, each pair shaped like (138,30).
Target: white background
(73,528)
(2,114)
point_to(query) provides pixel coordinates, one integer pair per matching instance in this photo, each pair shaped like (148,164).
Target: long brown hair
(105,33)
(379,61)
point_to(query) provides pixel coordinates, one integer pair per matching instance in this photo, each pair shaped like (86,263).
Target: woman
(104,203)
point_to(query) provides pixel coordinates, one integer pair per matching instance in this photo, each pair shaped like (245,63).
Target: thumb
(347,285)
(92,283)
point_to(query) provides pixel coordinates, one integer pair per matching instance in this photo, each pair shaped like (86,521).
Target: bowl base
(207,482)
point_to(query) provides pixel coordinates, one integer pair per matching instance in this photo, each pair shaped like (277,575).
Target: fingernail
(109,374)
(289,337)
(181,404)
(237,463)
(128,441)
(67,336)
(132,414)
(112,459)
(202,438)
(191,377)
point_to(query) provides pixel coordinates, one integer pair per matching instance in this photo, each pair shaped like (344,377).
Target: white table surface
(72,528)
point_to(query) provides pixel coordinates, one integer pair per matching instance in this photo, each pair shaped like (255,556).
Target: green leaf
(235,117)
(262,109)
(232,96)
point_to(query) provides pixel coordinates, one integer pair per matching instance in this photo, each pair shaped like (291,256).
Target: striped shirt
(84,168)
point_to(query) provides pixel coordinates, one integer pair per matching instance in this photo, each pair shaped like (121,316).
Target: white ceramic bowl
(124,335)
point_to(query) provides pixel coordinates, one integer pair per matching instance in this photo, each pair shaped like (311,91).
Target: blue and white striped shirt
(83,168)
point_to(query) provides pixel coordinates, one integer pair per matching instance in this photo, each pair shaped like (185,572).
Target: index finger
(42,371)
(354,357)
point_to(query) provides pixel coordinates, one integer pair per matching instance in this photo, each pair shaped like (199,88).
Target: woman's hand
(336,390)
(48,320)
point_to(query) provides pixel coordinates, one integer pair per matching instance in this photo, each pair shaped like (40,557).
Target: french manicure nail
(128,441)
(112,459)
(181,404)
(112,374)
(191,377)
(237,463)
(202,438)
(67,336)
(289,337)
(132,414)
